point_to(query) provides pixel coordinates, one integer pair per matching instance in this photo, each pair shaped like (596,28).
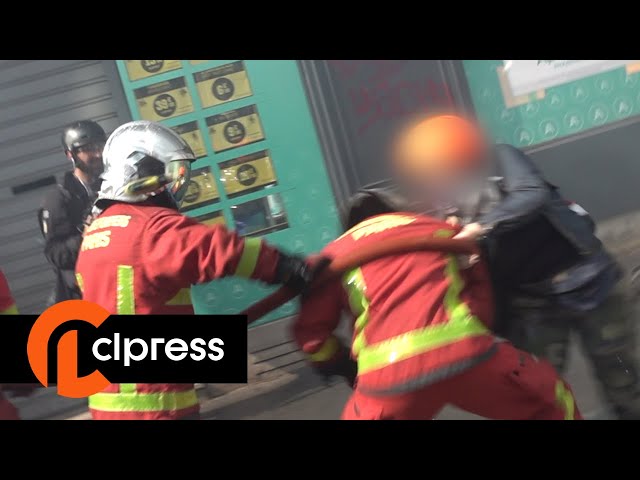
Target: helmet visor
(179,174)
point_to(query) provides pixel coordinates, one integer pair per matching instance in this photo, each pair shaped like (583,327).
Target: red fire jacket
(7,303)
(142,259)
(417,317)
(7,307)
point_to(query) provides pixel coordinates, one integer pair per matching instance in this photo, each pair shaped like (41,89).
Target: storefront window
(261,216)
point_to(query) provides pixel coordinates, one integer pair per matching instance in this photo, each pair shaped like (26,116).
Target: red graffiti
(370,71)
(387,101)
(384,98)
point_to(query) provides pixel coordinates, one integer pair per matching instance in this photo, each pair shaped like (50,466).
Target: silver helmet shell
(127,146)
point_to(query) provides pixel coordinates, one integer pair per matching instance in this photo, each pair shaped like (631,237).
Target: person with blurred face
(550,271)
(64,209)
(421,329)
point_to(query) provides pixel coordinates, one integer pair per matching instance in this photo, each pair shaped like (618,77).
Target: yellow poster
(164,100)
(192,135)
(202,190)
(214,218)
(247,174)
(222,84)
(138,69)
(197,62)
(235,128)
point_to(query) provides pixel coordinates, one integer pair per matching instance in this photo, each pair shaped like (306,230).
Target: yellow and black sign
(247,174)
(138,69)
(202,190)
(164,100)
(214,218)
(235,128)
(222,84)
(192,135)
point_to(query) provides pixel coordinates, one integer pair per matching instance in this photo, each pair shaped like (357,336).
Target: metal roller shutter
(37,98)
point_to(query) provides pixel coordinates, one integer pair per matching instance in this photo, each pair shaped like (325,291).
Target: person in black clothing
(551,273)
(65,208)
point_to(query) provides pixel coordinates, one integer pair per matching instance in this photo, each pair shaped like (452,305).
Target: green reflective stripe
(12,310)
(143,402)
(416,343)
(183,297)
(127,388)
(249,258)
(356,289)
(565,400)
(326,351)
(126,303)
(80,282)
(457,310)
(461,323)
(443,233)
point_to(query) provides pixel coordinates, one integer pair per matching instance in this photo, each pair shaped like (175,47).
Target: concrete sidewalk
(295,393)
(305,397)
(282,387)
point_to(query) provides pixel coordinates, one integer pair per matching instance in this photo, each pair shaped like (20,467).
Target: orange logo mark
(69,384)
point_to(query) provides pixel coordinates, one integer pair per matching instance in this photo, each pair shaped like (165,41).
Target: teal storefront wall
(302,187)
(551,114)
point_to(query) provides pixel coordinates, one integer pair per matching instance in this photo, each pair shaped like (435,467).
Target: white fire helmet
(143,159)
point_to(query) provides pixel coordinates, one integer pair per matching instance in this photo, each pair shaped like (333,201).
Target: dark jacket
(545,247)
(61,218)
(526,194)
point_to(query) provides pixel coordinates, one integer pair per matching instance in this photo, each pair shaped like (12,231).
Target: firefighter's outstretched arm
(313,331)
(526,190)
(181,249)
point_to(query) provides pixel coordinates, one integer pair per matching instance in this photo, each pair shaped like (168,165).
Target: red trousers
(512,385)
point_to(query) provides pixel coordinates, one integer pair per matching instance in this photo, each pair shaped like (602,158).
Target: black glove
(342,366)
(297,273)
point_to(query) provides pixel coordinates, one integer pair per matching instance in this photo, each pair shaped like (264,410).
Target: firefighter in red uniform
(422,336)
(139,255)
(7,303)
(422,321)
(8,411)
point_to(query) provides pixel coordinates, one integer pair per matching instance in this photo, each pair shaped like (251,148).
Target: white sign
(527,76)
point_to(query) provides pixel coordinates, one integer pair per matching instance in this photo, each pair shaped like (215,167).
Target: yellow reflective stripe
(183,297)
(461,323)
(457,310)
(443,233)
(12,310)
(143,402)
(415,343)
(327,351)
(127,388)
(126,304)
(357,289)
(565,400)
(80,282)
(249,258)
